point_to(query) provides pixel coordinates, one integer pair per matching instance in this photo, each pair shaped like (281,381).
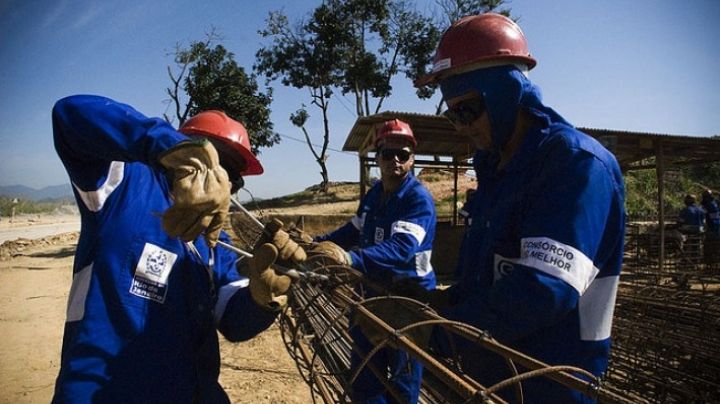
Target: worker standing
(149,287)
(390,237)
(541,262)
(712,227)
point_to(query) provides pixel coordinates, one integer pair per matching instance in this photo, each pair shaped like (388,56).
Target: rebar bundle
(667,341)
(316,330)
(328,299)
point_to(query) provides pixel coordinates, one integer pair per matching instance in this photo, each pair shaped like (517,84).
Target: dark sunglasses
(236,184)
(401,154)
(466,112)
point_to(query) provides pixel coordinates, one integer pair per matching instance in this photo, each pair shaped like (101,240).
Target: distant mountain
(52,192)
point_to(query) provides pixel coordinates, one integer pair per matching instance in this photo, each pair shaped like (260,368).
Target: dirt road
(34,283)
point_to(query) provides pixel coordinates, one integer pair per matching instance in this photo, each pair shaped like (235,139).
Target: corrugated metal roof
(437,137)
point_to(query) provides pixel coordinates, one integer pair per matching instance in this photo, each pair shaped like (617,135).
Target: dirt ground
(35,277)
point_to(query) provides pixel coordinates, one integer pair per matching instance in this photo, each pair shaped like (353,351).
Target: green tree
(356,47)
(208,77)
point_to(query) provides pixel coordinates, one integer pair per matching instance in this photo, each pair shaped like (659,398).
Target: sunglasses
(236,184)
(401,154)
(465,112)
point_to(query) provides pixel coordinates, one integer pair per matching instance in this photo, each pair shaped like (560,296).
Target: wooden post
(455,193)
(363,175)
(660,173)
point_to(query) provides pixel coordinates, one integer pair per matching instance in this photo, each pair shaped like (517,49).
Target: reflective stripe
(358,222)
(78,294)
(422,263)
(559,260)
(94,200)
(225,293)
(596,308)
(413,229)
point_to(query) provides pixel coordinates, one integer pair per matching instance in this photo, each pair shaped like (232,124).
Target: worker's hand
(299,236)
(200,192)
(397,314)
(437,299)
(268,289)
(332,252)
(288,250)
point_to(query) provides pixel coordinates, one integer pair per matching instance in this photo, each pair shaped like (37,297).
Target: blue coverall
(143,308)
(541,262)
(389,240)
(691,219)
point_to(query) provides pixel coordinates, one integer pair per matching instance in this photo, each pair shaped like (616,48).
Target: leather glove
(329,250)
(397,314)
(437,299)
(299,236)
(200,192)
(288,250)
(268,289)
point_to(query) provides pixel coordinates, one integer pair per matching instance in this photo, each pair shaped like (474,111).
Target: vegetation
(642,191)
(356,47)
(209,78)
(25,206)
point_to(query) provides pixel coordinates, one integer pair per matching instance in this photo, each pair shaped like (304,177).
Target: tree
(210,78)
(356,47)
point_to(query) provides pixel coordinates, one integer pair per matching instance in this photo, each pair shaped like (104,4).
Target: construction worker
(542,260)
(150,287)
(390,237)
(712,227)
(691,219)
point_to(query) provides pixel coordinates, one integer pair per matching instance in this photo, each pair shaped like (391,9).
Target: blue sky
(642,65)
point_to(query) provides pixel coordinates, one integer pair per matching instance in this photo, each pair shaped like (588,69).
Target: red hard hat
(217,125)
(475,40)
(397,129)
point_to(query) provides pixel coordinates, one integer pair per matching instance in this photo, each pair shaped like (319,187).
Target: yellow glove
(332,251)
(200,192)
(288,250)
(267,289)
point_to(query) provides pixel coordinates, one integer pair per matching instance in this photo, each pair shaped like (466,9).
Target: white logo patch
(379,235)
(151,273)
(559,260)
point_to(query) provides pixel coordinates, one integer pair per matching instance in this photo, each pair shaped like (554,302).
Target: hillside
(343,197)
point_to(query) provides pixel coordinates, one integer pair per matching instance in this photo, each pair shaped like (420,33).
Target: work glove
(299,236)
(268,289)
(397,314)
(200,192)
(329,251)
(288,250)
(437,299)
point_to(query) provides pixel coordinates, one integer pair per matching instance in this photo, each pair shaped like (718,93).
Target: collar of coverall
(505,89)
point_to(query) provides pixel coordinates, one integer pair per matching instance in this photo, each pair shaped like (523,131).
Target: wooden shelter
(440,146)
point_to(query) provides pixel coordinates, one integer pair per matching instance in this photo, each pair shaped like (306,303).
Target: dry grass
(343,197)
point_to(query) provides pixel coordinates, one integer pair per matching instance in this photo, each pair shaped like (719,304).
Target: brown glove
(299,236)
(397,314)
(200,192)
(332,251)
(288,250)
(268,289)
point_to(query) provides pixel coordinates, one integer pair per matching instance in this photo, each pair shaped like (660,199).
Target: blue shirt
(541,262)
(392,238)
(712,218)
(691,219)
(144,308)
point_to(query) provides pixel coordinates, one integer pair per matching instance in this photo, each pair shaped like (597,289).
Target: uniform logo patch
(151,273)
(379,235)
